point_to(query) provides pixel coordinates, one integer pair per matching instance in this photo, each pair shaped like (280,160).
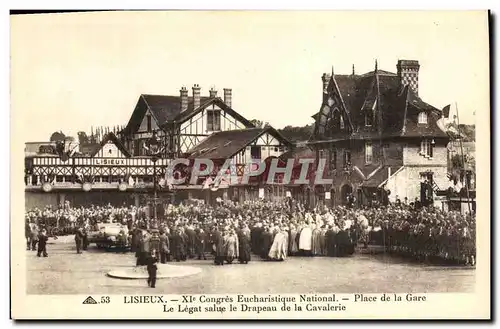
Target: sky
(73,71)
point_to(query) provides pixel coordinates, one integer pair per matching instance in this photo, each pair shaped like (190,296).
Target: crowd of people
(272,230)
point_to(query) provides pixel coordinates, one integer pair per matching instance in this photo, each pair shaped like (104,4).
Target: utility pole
(462,170)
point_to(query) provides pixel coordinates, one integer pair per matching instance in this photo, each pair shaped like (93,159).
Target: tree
(83,138)
(295,134)
(57,136)
(257,123)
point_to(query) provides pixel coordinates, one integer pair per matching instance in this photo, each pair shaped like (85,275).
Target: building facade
(120,165)
(380,140)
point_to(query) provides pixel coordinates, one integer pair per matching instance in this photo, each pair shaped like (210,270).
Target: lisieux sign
(109,162)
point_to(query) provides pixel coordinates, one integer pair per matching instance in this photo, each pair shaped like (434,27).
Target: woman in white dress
(279,248)
(305,240)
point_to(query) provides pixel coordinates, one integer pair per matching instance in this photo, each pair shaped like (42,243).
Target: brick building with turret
(380,139)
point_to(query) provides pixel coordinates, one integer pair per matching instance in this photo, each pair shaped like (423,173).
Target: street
(66,272)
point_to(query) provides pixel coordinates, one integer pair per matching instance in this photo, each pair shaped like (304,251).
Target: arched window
(422,117)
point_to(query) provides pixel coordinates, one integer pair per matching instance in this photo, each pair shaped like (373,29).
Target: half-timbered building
(180,121)
(243,147)
(186,126)
(379,138)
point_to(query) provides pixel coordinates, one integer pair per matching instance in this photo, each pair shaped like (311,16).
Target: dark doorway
(345,192)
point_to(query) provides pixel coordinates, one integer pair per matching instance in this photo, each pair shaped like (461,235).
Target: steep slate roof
(111,137)
(225,144)
(396,107)
(167,109)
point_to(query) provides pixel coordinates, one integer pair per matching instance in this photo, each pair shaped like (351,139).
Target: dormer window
(422,118)
(341,122)
(368,118)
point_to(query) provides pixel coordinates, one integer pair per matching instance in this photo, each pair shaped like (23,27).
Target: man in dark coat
(151,263)
(201,241)
(85,238)
(331,242)
(244,245)
(219,249)
(164,246)
(79,240)
(190,241)
(42,244)
(27,234)
(178,245)
(266,243)
(135,239)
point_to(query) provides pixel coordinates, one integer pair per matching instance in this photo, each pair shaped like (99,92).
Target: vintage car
(110,235)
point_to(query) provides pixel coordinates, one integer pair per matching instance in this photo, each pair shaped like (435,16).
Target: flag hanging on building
(446,111)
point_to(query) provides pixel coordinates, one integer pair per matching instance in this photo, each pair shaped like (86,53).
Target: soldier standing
(42,244)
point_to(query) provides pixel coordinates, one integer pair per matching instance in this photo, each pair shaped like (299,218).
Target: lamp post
(153,147)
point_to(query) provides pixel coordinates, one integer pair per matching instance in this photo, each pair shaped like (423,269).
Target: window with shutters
(426,148)
(213,120)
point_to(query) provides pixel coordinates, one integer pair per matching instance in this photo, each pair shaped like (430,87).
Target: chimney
(196,96)
(184,98)
(408,73)
(213,93)
(326,79)
(228,95)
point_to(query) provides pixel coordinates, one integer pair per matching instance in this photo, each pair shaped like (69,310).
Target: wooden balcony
(103,173)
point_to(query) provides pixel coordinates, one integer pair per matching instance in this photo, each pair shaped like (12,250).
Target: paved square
(66,272)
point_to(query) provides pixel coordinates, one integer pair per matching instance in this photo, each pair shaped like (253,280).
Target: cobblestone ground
(65,272)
